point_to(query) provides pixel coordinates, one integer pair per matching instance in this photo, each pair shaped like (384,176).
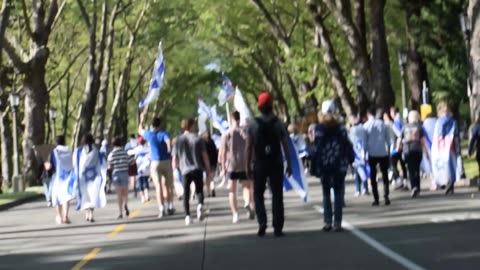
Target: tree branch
(15,59)
(276,29)
(53,17)
(67,69)
(26,18)
(295,19)
(84,13)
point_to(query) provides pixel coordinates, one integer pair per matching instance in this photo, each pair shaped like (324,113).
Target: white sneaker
(187,221)
(235,218)
(200,214)
(357,194)
(161,212)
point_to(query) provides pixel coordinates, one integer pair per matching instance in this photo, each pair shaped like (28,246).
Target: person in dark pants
(378,140)
(213,157)
(267,136)
(191,153)
(412,142)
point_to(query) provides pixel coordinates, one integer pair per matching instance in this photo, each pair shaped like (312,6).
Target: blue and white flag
(157,80)
(63,181)
(298,181)
(91,175)
(444,159)
(217,121)
(227,91)
(241,107)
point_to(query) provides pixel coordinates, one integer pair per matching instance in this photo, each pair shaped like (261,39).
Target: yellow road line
(134,214)
(87,258)
(118,229)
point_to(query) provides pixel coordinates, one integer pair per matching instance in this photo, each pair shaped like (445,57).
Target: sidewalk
(9,200)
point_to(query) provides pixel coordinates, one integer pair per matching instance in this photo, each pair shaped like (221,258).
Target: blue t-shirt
(158,145)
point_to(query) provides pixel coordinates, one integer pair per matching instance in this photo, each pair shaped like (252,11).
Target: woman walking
(118,162)
(412,142)
(63,179)
(90,170)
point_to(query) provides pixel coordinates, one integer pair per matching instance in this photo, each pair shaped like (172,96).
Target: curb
(9,205)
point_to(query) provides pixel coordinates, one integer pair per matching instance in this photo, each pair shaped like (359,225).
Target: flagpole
(228,112)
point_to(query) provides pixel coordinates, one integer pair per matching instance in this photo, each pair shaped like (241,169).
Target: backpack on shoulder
(267,141)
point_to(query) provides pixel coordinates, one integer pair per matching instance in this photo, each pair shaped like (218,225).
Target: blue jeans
(47,188)
(359,185)
(337,182)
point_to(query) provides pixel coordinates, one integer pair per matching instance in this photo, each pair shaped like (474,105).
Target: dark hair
(385,113)
(187,124)
(372,111)
(236,116)
(87,139)
(156,122)
(265,108)
(60,140)
(133,136)
(118,141)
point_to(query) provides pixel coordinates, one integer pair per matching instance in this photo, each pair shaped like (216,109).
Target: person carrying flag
(266,138)
(161,164)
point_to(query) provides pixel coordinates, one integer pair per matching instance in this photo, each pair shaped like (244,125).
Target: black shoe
(261,231)
(279,234)
(387,201)
(120,216)
(375,203)
(127,212)
(327,228)
(92,220)
(213,193)
(337,228)
(170,212)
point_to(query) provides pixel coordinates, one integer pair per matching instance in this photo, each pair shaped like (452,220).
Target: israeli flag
(63,181)
(241,106)
(157,80)
(298,181)
(227,91)
(217,121)
(444,159)
(91,175)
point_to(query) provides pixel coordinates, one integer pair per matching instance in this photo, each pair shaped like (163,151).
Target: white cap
(328,106)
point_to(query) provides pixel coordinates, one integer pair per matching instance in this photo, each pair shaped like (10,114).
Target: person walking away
(142,158)
(46,178)
(412,142)
(361,171)
(132,167)
(266,138)
(474,144)
(191,153)
(62,185)
(428,127)
(377,147)
(118,162)
(161,164)
(90,170)
(395,129)
(333,154)
(105,151)
(213,158)
(300,144)
(233,166)
(446,155)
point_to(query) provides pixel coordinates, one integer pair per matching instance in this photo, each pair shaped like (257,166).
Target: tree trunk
(416,67)
(385,97)
(359,6)
(103,91)
(94,71)
(474,57)
(7,150)
(330,60)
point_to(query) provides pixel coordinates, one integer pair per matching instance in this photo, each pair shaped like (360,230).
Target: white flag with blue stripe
(298,181)
(157,80)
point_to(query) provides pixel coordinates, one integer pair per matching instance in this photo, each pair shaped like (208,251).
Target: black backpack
(267,141)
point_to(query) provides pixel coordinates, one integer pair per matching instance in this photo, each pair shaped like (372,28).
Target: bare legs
(232,197)
(61,212)
(122,200)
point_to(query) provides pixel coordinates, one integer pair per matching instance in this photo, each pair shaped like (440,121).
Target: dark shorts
(132,170)
(237,176)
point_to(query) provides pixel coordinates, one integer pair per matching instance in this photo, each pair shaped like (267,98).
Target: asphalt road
(431,232)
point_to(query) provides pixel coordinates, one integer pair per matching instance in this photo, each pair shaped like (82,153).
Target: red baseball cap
(265,99)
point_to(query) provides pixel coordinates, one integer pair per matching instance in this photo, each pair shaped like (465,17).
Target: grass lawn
(9,196)
(471,167)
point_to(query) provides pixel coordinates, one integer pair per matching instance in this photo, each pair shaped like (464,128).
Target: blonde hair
(413,117)
(442,108)
(324,118)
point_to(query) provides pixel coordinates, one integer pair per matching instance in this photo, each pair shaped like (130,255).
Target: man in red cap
(267,137)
